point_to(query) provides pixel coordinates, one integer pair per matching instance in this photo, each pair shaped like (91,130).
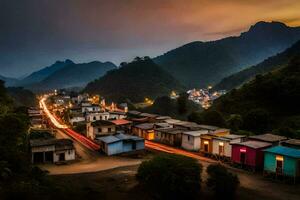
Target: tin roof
(109,139)
(285,151)
(293,142)
(255,144)
(195,133)
(52,141)
(145,126)
(268,137)
(230,137)
(121,122)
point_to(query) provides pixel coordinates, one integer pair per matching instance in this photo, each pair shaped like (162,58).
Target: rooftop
(145,126)
(148,115)
(285,151)
(52,141)
(170,130)
(121,122)
(162,117)
(255,144)
(268,137)
(108,139)
(195,133)
(134,112)
(293,142)
(230,137)
(102,123)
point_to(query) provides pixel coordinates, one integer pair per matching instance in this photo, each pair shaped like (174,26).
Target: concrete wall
(114,148)
(190,142)
(69,155)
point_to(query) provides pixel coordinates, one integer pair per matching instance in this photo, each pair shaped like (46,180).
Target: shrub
(223,182)
(171,177)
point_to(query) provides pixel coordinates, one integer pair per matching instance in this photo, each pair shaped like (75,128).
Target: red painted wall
(254,157)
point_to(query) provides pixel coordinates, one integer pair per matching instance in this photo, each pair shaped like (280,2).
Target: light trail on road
(173,150)
(78,137)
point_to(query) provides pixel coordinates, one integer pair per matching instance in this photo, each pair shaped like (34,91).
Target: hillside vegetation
(270,102)
(274,62)
(199,64)
(135,81)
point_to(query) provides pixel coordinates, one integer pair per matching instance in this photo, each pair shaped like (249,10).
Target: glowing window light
(279,157)
(206,142)
(221,144)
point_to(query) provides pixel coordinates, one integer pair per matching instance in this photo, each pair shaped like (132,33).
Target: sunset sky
(36,33)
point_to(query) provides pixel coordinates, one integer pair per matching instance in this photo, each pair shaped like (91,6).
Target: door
(279,166)
(206,147)
(243,158)
(49,156)
(133,146)
(61,157)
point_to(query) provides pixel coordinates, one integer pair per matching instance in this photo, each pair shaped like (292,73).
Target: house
(123,124)
(206,145)
(294,143)
(94,116)
(274,139)
(170,136)
(249,154)
(87,107)
(221,146)
(117,115)
(100,128)
(76,118)
(281,160)
(120,143)
(51,150)
(145,130)
(191,139)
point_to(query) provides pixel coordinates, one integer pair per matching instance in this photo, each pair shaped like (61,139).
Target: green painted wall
(289,164)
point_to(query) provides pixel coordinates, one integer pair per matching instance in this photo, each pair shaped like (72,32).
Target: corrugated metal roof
(195,133)
(145,126)
(109,139)
(268,137)
(285,151)
(255,144)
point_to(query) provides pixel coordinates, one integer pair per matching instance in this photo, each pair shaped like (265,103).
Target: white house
(221,146)
(100,128)
(117,115)
(94,116)
(191,139)
(76,118)
(86,108)
(52,150)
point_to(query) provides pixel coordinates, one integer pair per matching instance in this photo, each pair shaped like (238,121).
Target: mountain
(9,81)
(73,75)
(22,97)
(199,64)
(134,81)
(274,62)
(40,75)
(268,102)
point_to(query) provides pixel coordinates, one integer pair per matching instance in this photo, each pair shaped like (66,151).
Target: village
(115,130)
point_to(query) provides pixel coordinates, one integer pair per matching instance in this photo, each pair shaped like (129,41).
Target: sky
(36,33)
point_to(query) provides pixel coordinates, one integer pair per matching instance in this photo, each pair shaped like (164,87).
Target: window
(109,130)
(221,148)
(189,137)
(94,118)
(100,130)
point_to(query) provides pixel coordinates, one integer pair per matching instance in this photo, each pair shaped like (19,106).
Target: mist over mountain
(72,75)
(9,81)
(274,62)
(199,64)
(40,75)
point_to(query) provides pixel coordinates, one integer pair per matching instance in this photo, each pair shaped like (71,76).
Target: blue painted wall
(289,164)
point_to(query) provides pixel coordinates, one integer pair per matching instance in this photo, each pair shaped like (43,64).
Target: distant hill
(274,62)
(134,81)
(268,102)
(22,97)
(9,81)
(73,75)
(198,64)
(40,75)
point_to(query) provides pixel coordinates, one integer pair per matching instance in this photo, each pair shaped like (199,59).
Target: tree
(257,120)
(182,102)
(223,182)
(214,118)
(234,122)
(171,177)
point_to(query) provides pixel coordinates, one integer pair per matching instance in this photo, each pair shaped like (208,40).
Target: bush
(223,183)
(171,177)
